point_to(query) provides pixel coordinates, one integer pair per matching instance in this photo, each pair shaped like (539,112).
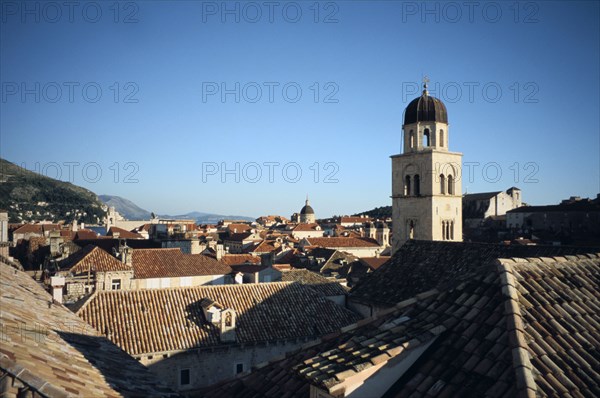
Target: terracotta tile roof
(314,281)
(374,262)
(159,320)
(29,228)
(56,354)
(248,268)
(236,259)
(166,263)
(419,266)
(306,227)
(264,247)
(283,267)
(287,257)
(239,237)
(514,327)
(94,259)
(85,234)
(238,228)
(37,242)
(357,220)
(342,241)
(123,233)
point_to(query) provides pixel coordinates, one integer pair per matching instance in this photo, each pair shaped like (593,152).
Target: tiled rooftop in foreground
(513,327)
(48,351)
(423,265)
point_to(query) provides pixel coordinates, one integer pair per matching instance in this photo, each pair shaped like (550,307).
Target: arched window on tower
(441,138)
(417,188)
(426,138)
(450,185)
(411,139)
(452,230)
(442,184)
(411,229)
(443,230)
(407,185)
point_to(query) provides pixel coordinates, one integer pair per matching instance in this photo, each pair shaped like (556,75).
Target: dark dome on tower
(425,109)
(307,210)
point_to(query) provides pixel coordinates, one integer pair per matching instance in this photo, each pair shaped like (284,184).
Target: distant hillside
(125,207)
(378,212)
(29,196)
(131,211)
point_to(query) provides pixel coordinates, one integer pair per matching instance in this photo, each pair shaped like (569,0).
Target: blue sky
(153,100)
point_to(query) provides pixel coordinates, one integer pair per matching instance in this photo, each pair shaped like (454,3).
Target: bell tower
(426,176)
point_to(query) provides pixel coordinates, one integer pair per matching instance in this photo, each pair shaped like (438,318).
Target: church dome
(307,210)
(425,109)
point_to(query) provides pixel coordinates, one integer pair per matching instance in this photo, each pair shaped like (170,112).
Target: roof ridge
(89,300)
(517,342)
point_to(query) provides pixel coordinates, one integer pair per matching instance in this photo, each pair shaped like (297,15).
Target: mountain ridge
(131,211)
(29,196)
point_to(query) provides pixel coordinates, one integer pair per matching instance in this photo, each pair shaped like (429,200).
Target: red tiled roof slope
(168,263)
(236,259)
(123,233)
(342,241)
(158,320)
(92,258)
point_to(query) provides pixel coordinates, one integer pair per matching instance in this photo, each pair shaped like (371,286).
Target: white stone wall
(198,280)
(213,365)
(308,234)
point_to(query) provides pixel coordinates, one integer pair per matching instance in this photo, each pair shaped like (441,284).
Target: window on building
(407,185)
(426,138)
(228,320)
(452,230)
(450,185)
(442,184)
(417,185)
(239,368)
(411,229)
(411,139)
(116,284)
(441,137)
(184,377)
(443,230)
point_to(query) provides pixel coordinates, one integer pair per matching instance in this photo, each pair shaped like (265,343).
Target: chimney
(220,251)
(267,259)
(126,255)
(57,283)
(195,246)
(239,278)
